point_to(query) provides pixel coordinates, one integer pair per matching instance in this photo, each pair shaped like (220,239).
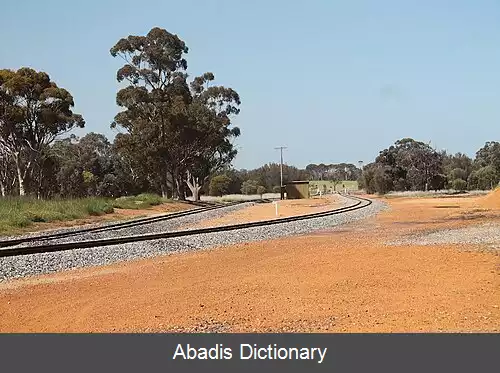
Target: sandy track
(343,280)
(267,211)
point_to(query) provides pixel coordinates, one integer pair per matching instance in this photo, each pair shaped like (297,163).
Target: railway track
(26,250)
(202,207)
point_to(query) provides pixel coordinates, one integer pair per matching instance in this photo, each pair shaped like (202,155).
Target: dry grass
(19,214)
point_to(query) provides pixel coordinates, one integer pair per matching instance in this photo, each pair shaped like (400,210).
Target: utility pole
(281,168)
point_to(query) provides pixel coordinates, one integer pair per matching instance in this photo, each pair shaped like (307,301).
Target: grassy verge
(17,214)
(142,201)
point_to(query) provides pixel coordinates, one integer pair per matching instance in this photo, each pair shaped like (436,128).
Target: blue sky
(333,81)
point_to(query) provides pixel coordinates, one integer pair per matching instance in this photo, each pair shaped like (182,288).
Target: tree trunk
(164,192)
(19,175)
(195,192)
(171,185)
(39,188)
(181,191)
(2,189)
(194,186)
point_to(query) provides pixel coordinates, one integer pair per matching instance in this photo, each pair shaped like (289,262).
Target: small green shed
(297,190)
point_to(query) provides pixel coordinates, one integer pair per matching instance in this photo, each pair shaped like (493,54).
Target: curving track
(44,248)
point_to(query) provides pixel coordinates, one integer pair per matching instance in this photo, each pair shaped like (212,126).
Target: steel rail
(26,250)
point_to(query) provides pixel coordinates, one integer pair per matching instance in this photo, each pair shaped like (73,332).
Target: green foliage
(407,165)
(141,201)
(458,166)
(177,132)
(333,172)
(96,207)
(88,177)
(150,198)
(438,182)
(33,112)
(368,178)
(276,189)
(18,213)
(219,185)
(268,175)
(15,221)
(361,182)
(382,180)
(459,184)
(489,155)
(315,185)
(260,190)
(458,173)
(249,187)
(484,178)
(412,165)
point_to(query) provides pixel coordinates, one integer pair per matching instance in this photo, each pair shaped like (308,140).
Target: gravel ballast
(34,264)
(485,234)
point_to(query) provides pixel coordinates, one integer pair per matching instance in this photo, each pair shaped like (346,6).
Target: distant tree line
(333,172)
(267,179)
(177,139)
(411,165)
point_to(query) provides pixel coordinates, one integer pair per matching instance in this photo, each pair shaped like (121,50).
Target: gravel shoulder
(485,236)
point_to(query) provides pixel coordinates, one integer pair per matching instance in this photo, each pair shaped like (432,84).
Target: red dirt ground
(341,280)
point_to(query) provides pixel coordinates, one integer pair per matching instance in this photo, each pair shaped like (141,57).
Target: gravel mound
(492,200)
(33,264)
(437,193)
(488,234)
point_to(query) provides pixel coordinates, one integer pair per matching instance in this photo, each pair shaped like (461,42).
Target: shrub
(484,178)
(459,184)
(219,185)
(108,187)
(382,180)
(141,201)
(249,187)
(20,221)
(150,199)
(458,173)
(96,207)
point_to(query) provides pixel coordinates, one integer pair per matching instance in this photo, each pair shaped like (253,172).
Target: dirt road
(267,211)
